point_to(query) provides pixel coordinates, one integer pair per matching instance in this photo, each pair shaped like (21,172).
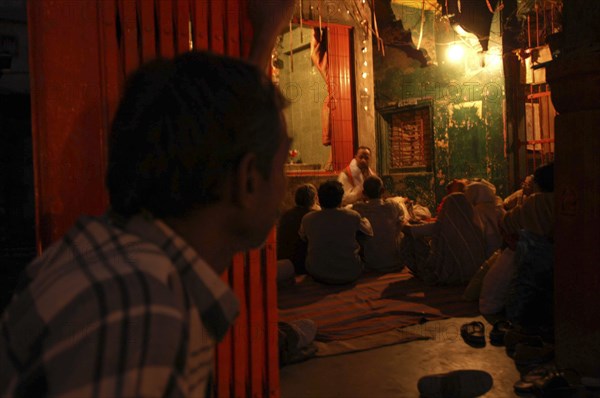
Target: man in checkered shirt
(131,303)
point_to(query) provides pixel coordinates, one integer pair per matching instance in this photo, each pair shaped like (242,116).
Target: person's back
(333,246)
(289,244)
(381,252)
(457,245)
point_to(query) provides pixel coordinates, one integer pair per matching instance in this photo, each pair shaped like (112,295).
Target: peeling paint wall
(467,98)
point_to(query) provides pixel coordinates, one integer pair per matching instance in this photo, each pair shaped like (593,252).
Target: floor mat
(371,312)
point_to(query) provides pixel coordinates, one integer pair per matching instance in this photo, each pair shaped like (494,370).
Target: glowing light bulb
(364,75)
(455,53)
(493,59)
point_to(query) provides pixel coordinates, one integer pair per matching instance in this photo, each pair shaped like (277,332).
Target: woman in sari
(488,206)
(450,250)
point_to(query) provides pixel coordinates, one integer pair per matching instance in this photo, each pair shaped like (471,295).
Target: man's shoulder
(350,212)
(94,251)
(94,239)
(93,266)
(373,205)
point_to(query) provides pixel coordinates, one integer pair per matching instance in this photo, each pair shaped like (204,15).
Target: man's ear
(245,183)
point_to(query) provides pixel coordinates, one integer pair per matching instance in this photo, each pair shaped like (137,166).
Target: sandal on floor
(547,383)
(526,385)
(499,331)
(473,333)
(455,384)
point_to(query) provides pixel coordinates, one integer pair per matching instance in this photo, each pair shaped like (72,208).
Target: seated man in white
(353,176)
(334,237)
(381,252)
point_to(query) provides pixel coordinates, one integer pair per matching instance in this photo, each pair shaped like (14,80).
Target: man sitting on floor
(333,236)
(386,218)
(353,176)
(531,292)
(289,244)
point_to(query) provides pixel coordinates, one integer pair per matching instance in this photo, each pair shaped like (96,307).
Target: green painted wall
(306,90)
(467,102)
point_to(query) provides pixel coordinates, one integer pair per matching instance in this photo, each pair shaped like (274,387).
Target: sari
(456,248)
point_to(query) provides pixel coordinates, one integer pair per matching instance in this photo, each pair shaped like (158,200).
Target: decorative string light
(364,94)
(358,13)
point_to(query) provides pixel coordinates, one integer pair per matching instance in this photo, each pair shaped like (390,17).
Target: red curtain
(341,99)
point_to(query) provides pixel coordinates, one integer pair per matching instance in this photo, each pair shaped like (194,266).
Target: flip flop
(473,333)
(499,331)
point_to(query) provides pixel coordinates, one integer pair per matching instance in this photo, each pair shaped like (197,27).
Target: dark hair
(305,195)
(363,147)
(330,194)
(543,176)
(183,125)
(372,187)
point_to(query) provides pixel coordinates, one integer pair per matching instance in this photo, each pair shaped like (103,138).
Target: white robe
(353,189)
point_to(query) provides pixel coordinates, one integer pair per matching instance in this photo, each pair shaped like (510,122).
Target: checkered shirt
(110,311)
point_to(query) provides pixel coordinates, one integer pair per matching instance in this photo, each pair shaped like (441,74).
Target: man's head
(363,157)
(305,196)
(330,194)
(373,187)
(193,131)
(543,177)
(456,185)
(527,185)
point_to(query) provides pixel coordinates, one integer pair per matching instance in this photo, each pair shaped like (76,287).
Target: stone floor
(393,371)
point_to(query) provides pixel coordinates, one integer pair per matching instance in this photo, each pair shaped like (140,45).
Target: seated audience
(519,196)
(487,206)
(334,235)
(381,252)
(289,244)
(353,176)
(456,247)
